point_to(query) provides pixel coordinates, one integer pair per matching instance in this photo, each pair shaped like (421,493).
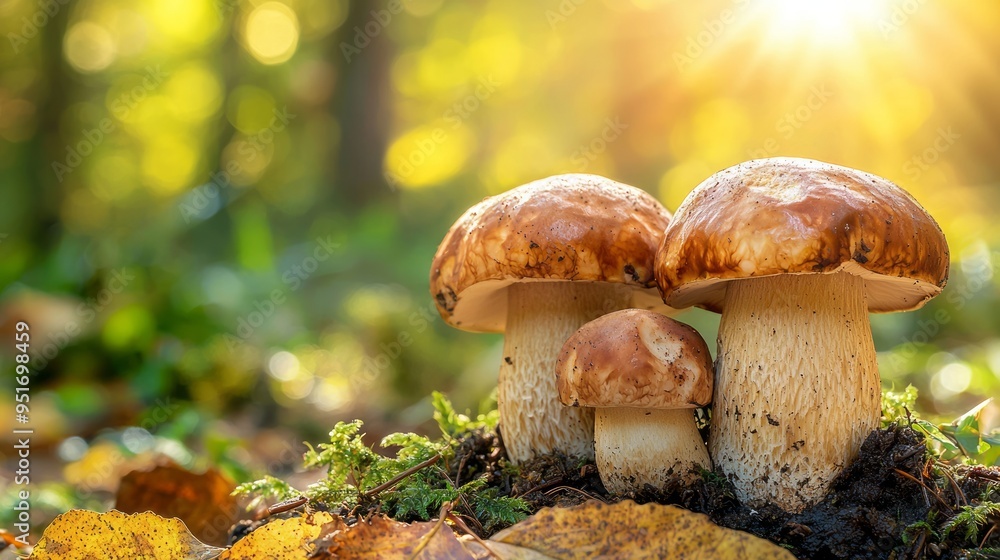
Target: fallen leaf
(282,539)
(202,501)
(386,539)
(628,530)
(114,535)
(500,550)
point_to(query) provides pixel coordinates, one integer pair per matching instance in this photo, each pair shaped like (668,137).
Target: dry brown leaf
(391,540)
(499,550)
(202,501)
(283,539)
(115,535)
(629,530)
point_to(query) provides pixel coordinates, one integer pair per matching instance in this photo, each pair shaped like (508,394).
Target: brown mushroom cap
(635,358)
(569,227)
(799,216)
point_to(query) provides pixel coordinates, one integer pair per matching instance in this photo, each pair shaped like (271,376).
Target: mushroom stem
(639,446)
(797,385)
(540,317)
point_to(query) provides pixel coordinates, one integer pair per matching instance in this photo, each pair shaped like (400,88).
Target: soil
(892,486)
(874,510)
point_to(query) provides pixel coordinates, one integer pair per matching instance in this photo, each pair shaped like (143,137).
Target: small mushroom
(535,263)
(795,253)
(644,373)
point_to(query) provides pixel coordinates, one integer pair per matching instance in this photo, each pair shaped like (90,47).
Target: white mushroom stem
(639,446)
(796,385)
(540,317)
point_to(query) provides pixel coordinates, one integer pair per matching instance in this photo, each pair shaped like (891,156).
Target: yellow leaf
(629,530)
(115,535)
(282,539)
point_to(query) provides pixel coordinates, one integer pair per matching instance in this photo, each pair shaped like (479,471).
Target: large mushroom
(536,263)
(795,253)
(644,373)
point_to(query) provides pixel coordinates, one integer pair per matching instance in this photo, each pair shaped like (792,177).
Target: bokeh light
(272,32)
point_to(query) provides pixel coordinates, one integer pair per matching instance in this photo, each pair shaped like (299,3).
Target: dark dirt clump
(876,508)
(894,501)
(889,488)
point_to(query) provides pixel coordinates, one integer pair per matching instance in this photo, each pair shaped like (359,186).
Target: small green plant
(898,406)
(914,530)
(970,519)
(410,486)
(962,438)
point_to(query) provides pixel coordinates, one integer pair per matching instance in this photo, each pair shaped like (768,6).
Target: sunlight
(822,20)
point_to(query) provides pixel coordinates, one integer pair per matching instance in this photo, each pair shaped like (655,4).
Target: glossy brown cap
(580,228)
(635,358)
(799,216)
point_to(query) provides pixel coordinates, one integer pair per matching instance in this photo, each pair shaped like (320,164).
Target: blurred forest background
(218,216)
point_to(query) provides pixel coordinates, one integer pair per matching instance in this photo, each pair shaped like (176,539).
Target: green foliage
(453,423)
(970,519)
(493,509)
(898,406)
(962,439)
(355,470)
(266,487)
(914,530)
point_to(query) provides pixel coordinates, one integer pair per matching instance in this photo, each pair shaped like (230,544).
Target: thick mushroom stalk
(797,385)
(540,317)
(639,446)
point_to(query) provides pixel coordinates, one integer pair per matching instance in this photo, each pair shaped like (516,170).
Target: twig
(919,545)
(287,505)
(921,483)
(461,525)
(426,539)
(542,486)
(578,491)
(465,503)
(988,533)
(959,495)
(461,465)
(392,482)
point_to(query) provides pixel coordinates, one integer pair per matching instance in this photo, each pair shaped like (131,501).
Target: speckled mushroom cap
(635,358)
(798,216)
(575,227)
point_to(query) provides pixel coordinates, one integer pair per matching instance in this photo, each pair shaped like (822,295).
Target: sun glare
(821,20)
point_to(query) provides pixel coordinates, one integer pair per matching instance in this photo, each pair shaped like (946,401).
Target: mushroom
(644,373)
(795,253)
(536,263)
